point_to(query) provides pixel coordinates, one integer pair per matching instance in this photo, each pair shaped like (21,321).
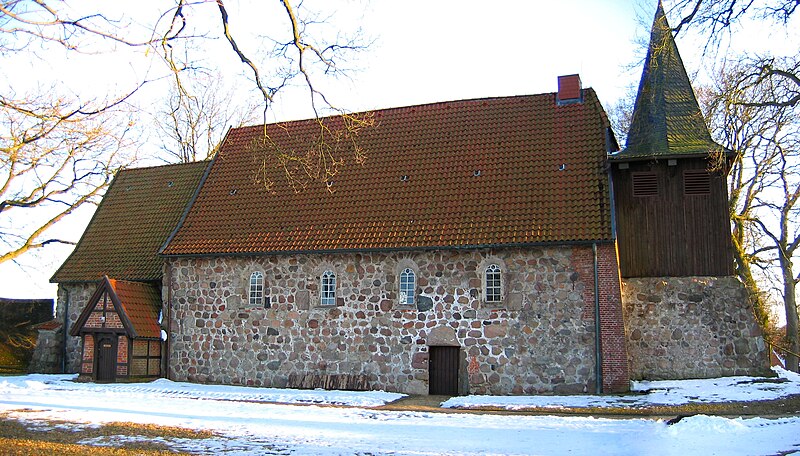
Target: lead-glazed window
(328,289)
(493,283)
(256,294)
(408,285)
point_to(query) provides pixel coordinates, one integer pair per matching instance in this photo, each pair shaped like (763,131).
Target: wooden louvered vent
(645,184)
(696,182)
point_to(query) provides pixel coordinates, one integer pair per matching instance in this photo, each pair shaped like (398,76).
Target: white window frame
(256,295)
(408,288)
(493,284)
(327,288)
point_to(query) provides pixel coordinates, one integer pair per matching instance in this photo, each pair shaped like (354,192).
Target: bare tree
(764,185)
(620,114)
(54,157)
(193,121)
(717,20)
(61,151)
(337,138)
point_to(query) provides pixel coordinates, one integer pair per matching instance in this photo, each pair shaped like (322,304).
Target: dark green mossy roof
(138,212)
(667,121)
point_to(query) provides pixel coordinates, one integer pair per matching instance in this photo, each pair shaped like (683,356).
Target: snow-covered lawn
(671,392)
(250,422)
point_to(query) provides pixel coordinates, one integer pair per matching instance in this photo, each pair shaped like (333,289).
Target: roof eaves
(607,240)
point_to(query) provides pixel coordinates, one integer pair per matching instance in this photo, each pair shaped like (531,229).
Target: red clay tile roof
(486,172)
(141,303)
(139,211)
(48,325)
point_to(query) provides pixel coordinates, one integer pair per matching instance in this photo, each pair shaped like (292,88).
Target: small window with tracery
(256,295)
(408,284)
(328,289)
(493,283)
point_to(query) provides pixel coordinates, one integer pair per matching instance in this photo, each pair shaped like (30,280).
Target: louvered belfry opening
(645,184)
(696,182)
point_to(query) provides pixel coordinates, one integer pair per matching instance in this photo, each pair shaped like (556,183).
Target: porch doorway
(106,358)
(443,370)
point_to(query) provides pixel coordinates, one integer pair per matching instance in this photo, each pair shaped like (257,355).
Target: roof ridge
(414,106)
(166,165)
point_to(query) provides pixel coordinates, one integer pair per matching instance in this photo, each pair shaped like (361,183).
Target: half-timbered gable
(120,331)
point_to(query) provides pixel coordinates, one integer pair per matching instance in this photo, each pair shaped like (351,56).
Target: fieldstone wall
(48,352)
(539,339)
(691,327)
(75,296)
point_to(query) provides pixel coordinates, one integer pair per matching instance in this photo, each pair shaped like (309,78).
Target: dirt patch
(59,437)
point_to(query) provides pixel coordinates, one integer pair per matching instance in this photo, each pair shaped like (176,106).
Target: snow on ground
(669,392)
(163,388)
(247,425)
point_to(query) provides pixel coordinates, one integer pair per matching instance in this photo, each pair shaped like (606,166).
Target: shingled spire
(667,121)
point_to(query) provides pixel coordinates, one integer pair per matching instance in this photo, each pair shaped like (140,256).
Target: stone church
(487,246)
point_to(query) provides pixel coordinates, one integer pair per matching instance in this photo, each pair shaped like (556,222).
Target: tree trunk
(790,304)
(755,296)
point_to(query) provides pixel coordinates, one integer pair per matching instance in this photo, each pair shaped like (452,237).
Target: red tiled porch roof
(486,172)
(141,303)
(137,304)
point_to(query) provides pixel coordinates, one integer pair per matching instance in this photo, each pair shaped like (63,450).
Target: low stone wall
(691,327)
(49,349)
(540,339)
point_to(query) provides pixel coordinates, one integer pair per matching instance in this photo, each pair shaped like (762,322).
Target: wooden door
(106,355)
(443,370)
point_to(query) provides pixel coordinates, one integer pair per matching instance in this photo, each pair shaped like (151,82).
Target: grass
(16,350)
(65,438)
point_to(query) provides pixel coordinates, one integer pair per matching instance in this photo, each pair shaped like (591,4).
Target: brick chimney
(569,90)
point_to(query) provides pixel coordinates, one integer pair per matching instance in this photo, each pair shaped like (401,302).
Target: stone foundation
(691,327)
(539,339)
